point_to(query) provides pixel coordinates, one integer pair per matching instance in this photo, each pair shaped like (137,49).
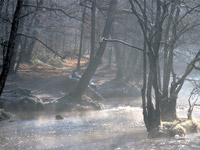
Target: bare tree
(93,65)
(152,38)
(195,96)
(81,39)
(11,45)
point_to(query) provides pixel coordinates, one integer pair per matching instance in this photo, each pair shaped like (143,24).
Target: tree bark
(168,106)
(93,24)
(93,65)
(23,46)
(81,40)
(30,48)
(166,74)
(118,56)
(27,53)
(152,39)
(109,59)
(11,45)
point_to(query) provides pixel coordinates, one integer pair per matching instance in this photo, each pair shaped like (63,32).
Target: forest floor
(48,82)
(118,127)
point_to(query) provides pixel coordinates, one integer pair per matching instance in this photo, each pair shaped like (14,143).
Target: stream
(118,128)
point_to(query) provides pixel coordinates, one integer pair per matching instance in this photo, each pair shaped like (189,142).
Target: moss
(177,130)
(180,127)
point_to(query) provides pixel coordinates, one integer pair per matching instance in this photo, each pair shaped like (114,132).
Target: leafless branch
(34,38)
(185,29)
(187,13)
(188,70)
(5,19)
(122,42)
(54,9)
(22,16)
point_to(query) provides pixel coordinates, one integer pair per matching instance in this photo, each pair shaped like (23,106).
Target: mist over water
(48,47)
(113,128)
(105,129)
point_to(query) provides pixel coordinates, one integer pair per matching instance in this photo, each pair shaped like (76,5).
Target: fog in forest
(99,74)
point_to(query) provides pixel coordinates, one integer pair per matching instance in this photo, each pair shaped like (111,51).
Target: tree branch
(122,42)
(188,70)
(54,9)
(34,38)
(187,13)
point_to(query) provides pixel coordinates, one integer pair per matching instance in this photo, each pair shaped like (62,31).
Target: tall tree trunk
(118,55)
(166,74)
(109,59)
(93,65)
(151,110)
(30,48)
(7,26)
(168,106)
(143,90)
(19,57)
(11,45)
(93,24)
(1,4)
(17,44)
(81,40)
(12,64)
(27,55)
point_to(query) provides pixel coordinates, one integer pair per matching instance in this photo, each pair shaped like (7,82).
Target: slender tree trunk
(11,45)
(6,30)
(130,67)
(151,110)
(166,73)
(169,113)
(93,65)
(27,55)
(12,64)
(4,51)
(168,106)
(13,61)
(118,56)
(143,90)
(30,48)
(109,58)
(81,40)
(1,4)
(93,24)
(20,57)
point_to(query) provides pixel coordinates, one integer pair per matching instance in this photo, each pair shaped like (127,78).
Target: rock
(72,79)
(67,103)
(118,88)
(19,100)
(5,115)
(59,117)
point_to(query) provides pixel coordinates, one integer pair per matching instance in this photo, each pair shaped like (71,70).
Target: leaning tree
(96,61)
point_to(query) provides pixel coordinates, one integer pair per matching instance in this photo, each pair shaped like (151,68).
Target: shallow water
(107,129)
(119,128)
(110,129)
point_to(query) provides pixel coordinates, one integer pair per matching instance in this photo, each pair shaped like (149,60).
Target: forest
(99,74)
